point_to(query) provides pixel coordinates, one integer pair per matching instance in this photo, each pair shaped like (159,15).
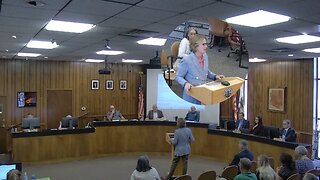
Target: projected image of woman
(193,70)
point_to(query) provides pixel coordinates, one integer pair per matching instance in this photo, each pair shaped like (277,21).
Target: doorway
(59,104)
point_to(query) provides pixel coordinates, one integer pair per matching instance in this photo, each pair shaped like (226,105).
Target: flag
(141,103)
(234,106)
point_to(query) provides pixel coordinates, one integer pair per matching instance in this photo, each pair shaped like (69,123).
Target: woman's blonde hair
(195,41)
(181,123)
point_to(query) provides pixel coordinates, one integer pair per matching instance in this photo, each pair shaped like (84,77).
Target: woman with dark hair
(184,46)
(144,171)
(257,129)
(181,141)
(287,168)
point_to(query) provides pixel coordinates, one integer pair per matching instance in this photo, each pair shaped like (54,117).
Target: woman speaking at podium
(193,70)
(181,141)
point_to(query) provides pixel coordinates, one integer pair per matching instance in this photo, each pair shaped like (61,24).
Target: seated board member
(287,133)
(242,123)
(243,153)
(155,113)
(193,115)
(113,114)
(257,129)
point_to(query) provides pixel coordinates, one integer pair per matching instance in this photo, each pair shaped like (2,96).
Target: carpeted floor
(116,168)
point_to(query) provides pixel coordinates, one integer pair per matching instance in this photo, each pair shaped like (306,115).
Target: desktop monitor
(69,122)
(5,168)
(30,123)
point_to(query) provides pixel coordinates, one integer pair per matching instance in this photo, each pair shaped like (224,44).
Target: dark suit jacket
(150,114)
(245,124)
(243,154)
(290,136)
(258,131)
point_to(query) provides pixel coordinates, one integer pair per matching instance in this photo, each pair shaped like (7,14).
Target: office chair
(217,31)
(183,177)
(230,172)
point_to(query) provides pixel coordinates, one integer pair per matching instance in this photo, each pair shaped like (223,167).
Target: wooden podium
(178,170)
(214,92)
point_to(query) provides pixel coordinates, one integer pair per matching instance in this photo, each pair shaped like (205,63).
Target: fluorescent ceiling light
(152,41)
(256,60)
(299,39)
(42,44)
(109,52)
(132,60)
(290,55)
(15,37)
(66,26)
(28,54)
(94,60)
(258,19)
(312,50)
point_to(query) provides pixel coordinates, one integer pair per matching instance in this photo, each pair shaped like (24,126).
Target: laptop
(5,168)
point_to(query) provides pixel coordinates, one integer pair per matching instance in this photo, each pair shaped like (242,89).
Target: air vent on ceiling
(281,50)
(140,33)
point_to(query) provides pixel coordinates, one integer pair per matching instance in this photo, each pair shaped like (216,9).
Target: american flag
(234,106)
(141,103)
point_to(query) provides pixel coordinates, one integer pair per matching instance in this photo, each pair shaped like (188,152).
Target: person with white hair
(155,113)
(287,133)
(303,163)
(193,115)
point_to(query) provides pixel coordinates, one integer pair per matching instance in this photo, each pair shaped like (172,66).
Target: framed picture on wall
(123,84)
(94,84)
(109,84)
(277,99)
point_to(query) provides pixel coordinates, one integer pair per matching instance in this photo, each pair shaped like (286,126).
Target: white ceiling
(116,17)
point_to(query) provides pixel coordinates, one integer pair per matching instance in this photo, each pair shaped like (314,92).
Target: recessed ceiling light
(152,41)
(15,37)
(258,19)
(109,52)
(94,60)
(66,26)
(45,57)
(299,39)
(132,60)
(42,44)
(7,50)
(312,50)
(256,60)
(28,54)
(290,55)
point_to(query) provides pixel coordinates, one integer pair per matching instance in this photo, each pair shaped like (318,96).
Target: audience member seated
(155,113)
(113,114)
(242,123)
(287,167)
(257,129)
(193,114)
(144,171)
(245,165)
(243,153)
(287,133)
(264,170)
(14,174)
(303,163)
(60,123)
(184,47)
(309,176)
(30,115)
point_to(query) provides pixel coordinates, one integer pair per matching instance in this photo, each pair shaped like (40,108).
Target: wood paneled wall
(41,76)
(297,77)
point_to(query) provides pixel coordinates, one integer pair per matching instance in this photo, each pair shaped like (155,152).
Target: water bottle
(33,177)
(25,177)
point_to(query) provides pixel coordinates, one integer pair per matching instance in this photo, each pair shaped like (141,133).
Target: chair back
(294,177)
(230,172)
(175,49)
(253,166)
(217,27)
(316,172)
(208,175)
(271,162)
(164,60)
(183,177)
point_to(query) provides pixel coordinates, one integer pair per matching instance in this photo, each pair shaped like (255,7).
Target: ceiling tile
(76,17)
(27,13)
(47,4)
(124,23)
